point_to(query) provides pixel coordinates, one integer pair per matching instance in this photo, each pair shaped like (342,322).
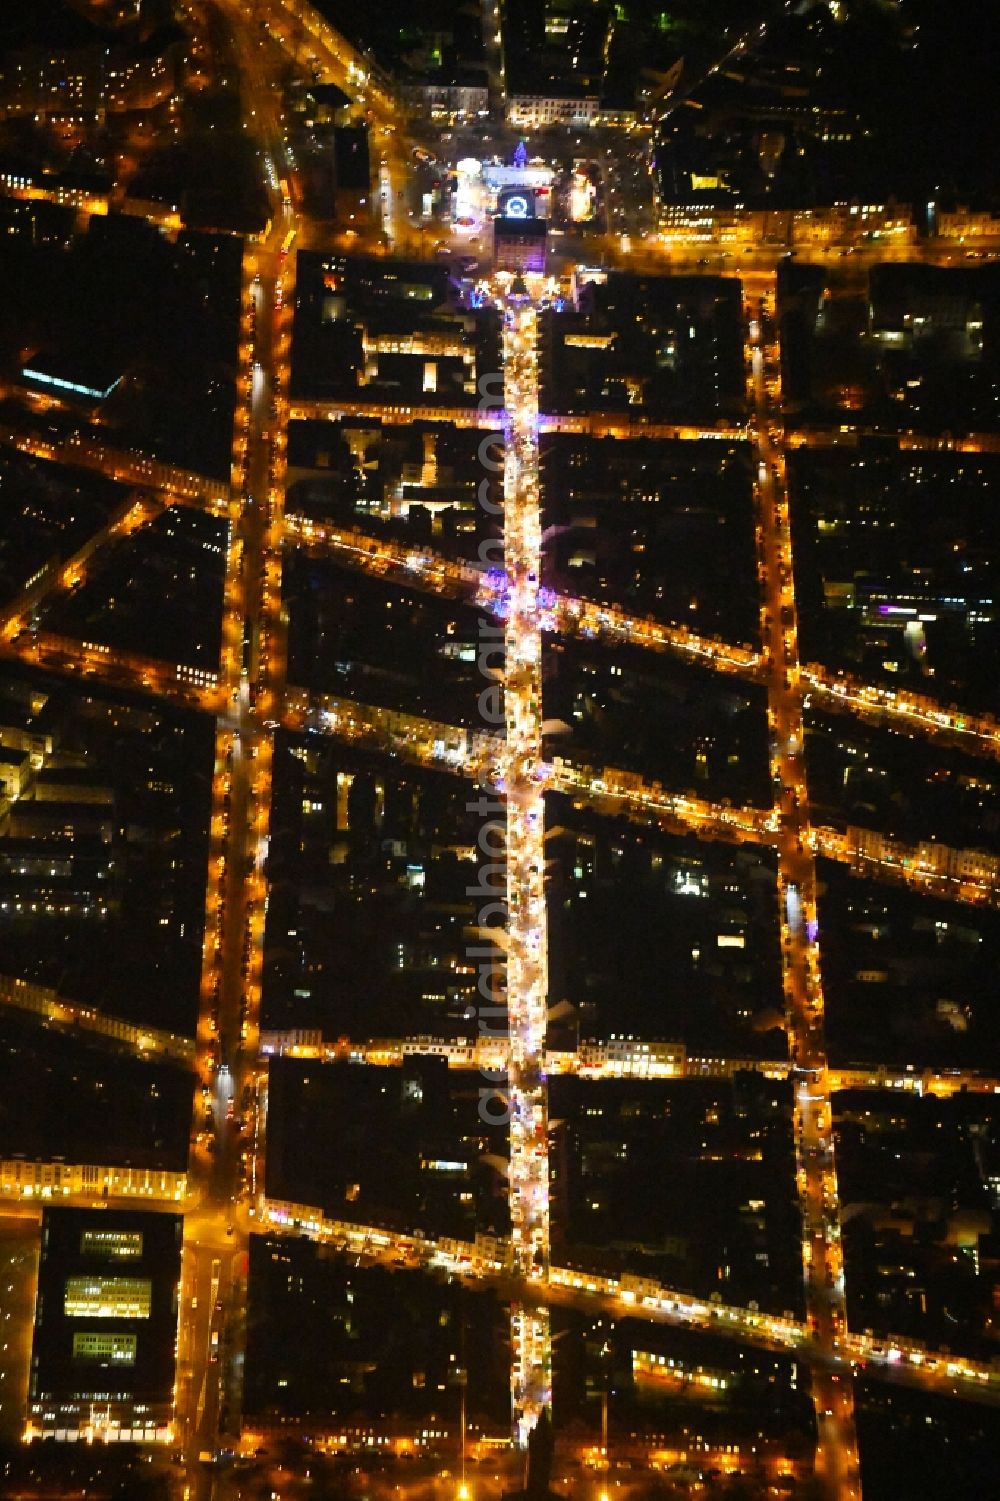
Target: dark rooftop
(93,1262)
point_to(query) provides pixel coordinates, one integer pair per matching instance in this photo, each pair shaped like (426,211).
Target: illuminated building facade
(519,244)
(89,81)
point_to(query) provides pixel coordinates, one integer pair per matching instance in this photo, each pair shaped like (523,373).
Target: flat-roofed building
(103,1352)
(29,722)
(90,379)
(519,244)
(15,772)
(73,784)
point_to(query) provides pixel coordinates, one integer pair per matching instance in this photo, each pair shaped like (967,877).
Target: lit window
(119,1349)
(108,1297)
(111,1243)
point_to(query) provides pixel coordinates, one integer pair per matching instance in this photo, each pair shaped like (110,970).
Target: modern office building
(104,1348)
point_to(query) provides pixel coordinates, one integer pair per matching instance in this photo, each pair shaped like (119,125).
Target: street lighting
(463,1382)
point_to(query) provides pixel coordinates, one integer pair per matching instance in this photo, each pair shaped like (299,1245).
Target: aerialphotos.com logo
(487,957)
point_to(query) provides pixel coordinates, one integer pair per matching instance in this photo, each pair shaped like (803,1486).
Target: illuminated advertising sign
(517,203)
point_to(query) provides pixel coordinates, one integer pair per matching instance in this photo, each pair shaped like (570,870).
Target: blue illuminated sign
(70,385)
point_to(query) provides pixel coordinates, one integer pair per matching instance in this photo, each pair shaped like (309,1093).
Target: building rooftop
(70,376)
(105,1317)
(62,1100)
